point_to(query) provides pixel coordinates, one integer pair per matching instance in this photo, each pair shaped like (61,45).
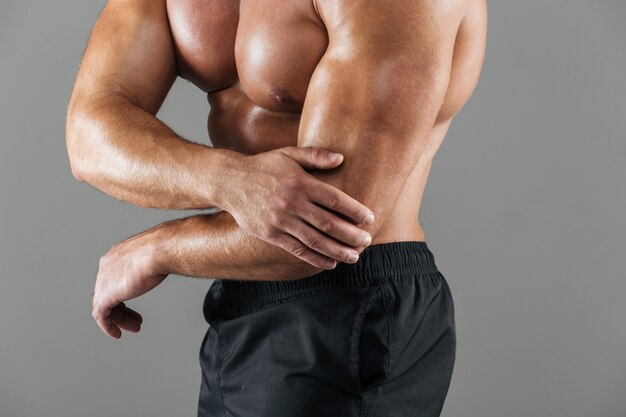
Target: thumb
(311,157)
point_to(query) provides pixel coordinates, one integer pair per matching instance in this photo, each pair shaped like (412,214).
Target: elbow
(74,146)
(79,130)
(76,173)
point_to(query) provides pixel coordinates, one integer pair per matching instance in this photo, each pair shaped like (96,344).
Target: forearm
(131,155)
(214,246)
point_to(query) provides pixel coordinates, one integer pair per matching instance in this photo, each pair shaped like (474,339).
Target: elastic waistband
(376,263)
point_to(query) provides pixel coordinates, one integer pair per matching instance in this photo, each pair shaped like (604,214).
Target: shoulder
(391,27)
(410,12)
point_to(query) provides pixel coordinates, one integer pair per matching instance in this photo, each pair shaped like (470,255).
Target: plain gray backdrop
(524,212)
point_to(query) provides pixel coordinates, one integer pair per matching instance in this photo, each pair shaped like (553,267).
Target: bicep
(129,54)
(375,96)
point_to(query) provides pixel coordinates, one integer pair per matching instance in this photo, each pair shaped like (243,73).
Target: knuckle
(317,153)
(311,241)
(280,224)
(283,202)
(297,250)
(315,242)
(293,184)
(274,218)
(280,203)
(333,201)
(289,203)
(327,225)
(302,235)
(284,243)
(270,233)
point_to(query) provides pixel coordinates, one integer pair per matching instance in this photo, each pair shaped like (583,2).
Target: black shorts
(375,338)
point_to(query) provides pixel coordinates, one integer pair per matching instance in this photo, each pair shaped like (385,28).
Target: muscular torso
(254,59)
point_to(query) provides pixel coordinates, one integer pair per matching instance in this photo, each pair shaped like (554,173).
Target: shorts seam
(220,373)
(357,329)
(390,332)
(364,405)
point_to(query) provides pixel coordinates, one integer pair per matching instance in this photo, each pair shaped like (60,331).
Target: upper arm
(130,54)
(376,93)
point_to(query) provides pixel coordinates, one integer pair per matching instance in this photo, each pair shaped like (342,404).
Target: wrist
(229,174)
(162,247)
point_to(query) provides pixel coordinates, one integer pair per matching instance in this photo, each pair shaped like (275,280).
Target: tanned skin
(378,81)
(116,144)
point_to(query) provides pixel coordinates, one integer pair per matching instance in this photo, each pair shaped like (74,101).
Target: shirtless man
(316,310)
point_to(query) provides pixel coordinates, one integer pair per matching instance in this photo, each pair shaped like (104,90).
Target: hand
(278,201)
(126,271)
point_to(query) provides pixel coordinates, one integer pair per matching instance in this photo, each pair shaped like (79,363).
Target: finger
(330,197)
(109,328)
(321,243)
(311,157)
(125,318)
(298,249)
(126,322)
(334,226)
(132,313)
(102,316)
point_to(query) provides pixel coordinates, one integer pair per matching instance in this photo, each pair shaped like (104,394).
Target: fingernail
(366,241)
(336,156)
(369,219)
(331,264)
(353,257)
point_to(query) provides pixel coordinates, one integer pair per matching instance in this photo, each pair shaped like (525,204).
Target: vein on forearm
(129,154)
(214,246)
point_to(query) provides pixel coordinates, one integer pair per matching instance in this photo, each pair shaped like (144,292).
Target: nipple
(280,96)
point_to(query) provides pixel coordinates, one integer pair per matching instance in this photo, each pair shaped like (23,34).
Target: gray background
(524,212)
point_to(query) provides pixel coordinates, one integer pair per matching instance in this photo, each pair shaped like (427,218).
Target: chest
(269,47)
